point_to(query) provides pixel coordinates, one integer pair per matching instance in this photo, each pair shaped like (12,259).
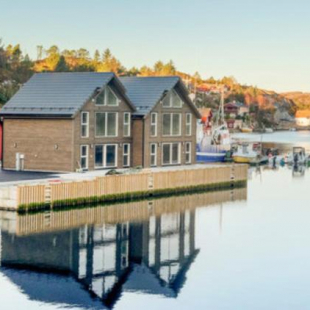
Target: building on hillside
(303,118)
(66,122)
(83,121)
(164,124)
(231,110)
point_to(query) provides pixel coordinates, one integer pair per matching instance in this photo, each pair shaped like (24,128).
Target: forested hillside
(16,68)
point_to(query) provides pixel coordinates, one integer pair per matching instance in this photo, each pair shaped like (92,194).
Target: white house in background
(303,118)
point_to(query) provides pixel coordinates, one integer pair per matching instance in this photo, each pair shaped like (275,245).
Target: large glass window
(110,154)
(84,124)
(106,156)
(172,124)
(171,153)
(107,97)
(188,124)
(153,153)
(106,124)
(154,124)
(84,157)
(126,155)
(172,100)
(126,124)
(188,152)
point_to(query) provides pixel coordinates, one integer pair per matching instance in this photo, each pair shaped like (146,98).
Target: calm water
(239,249)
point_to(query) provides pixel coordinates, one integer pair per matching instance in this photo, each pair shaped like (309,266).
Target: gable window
(106,124)
(106,156)
(84,157)
(171,153)
(172,124)
(188,124)
(153,153)
(188,153)
(107,98)
(84,124)
(154,124)
(127,124)
(172,100)
(126,154)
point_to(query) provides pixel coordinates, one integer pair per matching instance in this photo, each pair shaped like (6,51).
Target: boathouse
(164,123)
(86,121)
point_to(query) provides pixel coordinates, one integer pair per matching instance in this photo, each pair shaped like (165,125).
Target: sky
(262,43)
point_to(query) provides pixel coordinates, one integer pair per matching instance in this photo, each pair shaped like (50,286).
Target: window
(188,152)
(107,97)
(172,100)
(127,124)
(153,153)
(84,157)
(84,124)
(126,155)
(172,124)
(106,124)
(171,153)
(154,124)
(106,156)
(188,124)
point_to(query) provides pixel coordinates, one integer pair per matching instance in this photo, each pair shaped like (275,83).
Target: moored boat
(249,153)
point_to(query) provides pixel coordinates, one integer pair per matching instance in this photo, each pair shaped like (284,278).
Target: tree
(62,65)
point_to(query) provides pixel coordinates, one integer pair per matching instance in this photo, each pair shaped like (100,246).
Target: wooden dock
(58,193)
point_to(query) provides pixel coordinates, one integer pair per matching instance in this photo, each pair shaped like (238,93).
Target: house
(164,123)
(303,118)
(68,121)
(83,121)
(231,109)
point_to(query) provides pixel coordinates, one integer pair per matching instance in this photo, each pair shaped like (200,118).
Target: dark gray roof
(145,92)
(56,93)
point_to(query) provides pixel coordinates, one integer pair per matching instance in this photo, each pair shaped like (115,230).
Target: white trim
(105,97)
(170,100)
(104,157)
(188,152)
(188,124)
(128,154)
(84,156)
(154,124)
(170,159)
(85,124)
(153,154)
(171,125)
(106,125)
(129,124)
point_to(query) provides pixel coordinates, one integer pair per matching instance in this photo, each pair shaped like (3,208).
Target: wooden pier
(60,193)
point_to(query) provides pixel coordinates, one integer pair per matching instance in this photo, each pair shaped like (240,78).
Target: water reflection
(85,257)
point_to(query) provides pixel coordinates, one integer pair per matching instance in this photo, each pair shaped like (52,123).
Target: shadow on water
(87,257)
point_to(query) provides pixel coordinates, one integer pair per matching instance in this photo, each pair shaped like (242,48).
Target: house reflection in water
(144,246)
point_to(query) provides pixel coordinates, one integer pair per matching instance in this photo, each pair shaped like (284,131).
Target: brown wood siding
(137,145)
(36,139)
(92,140)
(160,110)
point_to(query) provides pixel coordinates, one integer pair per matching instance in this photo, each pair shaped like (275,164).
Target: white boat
(297,157)
(213,141)
(268,130)
(249,153)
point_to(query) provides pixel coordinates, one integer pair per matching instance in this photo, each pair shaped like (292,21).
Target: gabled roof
(57,94)
(303,114)
(146,92)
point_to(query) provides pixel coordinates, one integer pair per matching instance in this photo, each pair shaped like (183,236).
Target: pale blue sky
(264,43)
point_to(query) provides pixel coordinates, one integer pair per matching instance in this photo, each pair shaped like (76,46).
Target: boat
(249,153)
(297,157)
(213,140)
(246,129)
(268,130)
